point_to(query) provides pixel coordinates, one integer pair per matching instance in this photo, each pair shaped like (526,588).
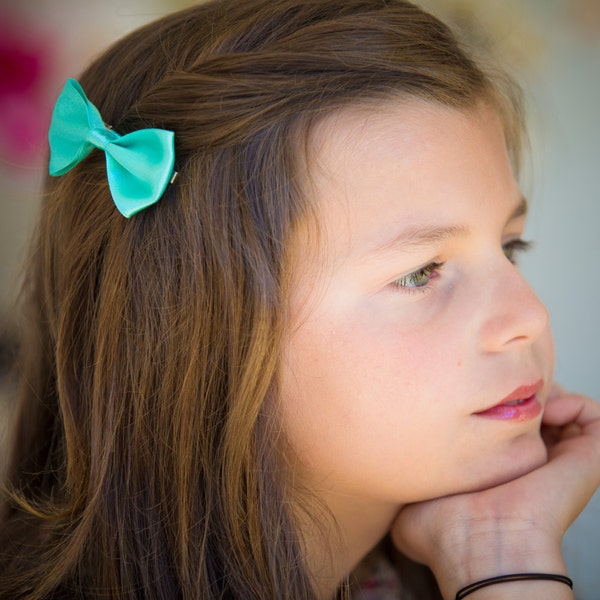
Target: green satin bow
(139,165)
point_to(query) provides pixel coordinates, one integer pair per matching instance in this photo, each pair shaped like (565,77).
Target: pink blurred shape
(26,57)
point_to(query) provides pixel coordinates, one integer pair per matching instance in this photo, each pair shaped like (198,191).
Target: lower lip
(526,410)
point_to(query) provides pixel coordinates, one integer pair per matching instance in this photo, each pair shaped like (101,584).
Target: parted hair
(148,453)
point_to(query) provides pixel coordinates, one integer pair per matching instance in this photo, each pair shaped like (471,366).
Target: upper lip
(520,393)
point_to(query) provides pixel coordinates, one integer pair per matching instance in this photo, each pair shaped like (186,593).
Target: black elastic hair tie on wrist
(473,587)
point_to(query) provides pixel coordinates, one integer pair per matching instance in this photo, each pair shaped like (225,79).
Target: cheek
(375,357)
(341,380)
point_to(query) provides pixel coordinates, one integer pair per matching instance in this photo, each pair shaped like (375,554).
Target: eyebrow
(520,210)
(416,237)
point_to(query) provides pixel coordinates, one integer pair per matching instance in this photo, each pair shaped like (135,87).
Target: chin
(524,455)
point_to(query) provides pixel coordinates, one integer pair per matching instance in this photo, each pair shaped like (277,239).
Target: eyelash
(515,247)
(410,283)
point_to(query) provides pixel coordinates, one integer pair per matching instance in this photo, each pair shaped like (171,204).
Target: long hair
(147,460)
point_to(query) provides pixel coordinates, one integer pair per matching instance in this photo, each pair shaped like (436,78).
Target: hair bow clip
(139,165)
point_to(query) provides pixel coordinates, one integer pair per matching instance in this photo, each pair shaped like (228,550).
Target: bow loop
(71,135)
(138,168)
(139,164)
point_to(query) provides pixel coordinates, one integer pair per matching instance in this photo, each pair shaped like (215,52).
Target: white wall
(564,106)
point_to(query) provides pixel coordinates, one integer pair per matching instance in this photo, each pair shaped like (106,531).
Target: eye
(513,248)
(419,278)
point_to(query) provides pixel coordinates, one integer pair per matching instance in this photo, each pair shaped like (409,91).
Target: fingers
(571,430)
(555,391)
(568,416)
(564,409)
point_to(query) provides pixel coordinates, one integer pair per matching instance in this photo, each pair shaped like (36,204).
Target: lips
(521,404)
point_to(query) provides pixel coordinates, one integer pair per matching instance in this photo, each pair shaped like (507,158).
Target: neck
(334,546)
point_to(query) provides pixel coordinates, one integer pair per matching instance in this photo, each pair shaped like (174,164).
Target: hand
(516,526)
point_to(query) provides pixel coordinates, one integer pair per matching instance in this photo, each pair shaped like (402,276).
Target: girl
(237,382)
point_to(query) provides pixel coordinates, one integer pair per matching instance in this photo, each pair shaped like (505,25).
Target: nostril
(518,339)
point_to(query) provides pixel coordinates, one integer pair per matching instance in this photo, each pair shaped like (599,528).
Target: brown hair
(146,461)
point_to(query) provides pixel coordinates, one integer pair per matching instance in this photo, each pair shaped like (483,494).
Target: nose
(514,315)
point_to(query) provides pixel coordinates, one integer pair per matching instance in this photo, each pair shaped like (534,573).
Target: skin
(389,359)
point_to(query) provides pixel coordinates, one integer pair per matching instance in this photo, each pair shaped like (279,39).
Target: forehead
(400,134)
(378,167)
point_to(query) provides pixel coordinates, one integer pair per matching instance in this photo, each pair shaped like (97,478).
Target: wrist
(538,585)
(478,555)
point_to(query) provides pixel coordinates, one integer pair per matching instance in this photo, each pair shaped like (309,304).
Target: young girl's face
(410,320)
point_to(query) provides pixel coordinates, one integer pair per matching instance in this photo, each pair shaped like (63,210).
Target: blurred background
(553,46)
